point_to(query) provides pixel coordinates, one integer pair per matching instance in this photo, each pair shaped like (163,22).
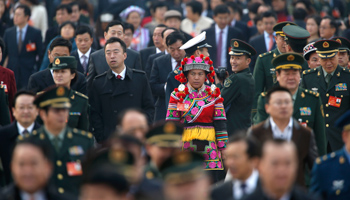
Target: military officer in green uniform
(65,74)
(4,108)
(264,72)
(331,81)
(343,55)
(238,88)
(69,145)
(163,140)
(307,104)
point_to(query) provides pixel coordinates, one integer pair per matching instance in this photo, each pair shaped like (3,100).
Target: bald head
(134,123)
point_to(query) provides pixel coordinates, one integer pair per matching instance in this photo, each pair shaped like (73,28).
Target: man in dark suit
(278,169)
(280,124)
(219,37)
(162,66)
(117,89)
(63,14)
(31,158)
(235,9)
(25,113)
(43,79)
(98,63)
(242,157)
(265,42)
(25,44)
(83,39)
(158,47)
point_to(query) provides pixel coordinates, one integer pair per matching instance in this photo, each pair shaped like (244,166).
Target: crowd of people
(174,100)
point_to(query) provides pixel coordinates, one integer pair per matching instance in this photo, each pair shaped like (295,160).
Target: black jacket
(43,79)
(145,54)
(109,96)
(8,137)
(79,66)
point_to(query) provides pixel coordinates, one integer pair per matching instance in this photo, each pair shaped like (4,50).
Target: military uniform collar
(244,70)
(325,73)
(294,96)
(60,135)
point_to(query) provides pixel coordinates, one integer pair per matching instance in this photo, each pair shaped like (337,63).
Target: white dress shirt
(267,39)
(251,183)
(122,74)
(87,54)
(224,41)
(158,50)
(40,195)
(24,31)
(173,63)
(286,134)
(21,128)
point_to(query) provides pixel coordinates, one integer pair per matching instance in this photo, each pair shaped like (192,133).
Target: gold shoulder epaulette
(81,94)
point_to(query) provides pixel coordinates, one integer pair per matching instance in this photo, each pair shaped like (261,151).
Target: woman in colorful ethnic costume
(200,108)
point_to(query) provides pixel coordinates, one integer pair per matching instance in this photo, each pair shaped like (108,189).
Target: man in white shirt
(241,158)
(25,113)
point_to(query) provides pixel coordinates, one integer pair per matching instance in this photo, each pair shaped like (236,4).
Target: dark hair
(82,29)
(273,90)
(299,14)
(64,24)
(74,3)
(277,142)
(297,47)
(307,4)
(2,45)
(60,42)
(129,26)
(221,9)
(235,7)
(64,7)
(74,80)
(332,22)
(257,18)
(44,148)
(22,92)
(269,14)
(115,39)
(114,23)
(26,10)
(254,7)
(34,2)
(168,28)
(196,7)
(253,145)
(174,37)
(122,114)
(158,4)
(109,176)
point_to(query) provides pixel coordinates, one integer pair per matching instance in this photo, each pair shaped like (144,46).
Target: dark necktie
(25,133)
(56,143)
(178,64)
(218,49)
(328,79)
(119,77)
(20,41)
(84,64)
(243,188)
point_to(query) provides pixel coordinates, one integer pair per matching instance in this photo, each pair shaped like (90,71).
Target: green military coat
(238,93)
(4,108)
(265,75)
(74,146)
(151,171)
(78,113)
(307,109)
(313,79)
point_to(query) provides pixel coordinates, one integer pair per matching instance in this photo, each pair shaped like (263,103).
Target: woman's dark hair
(317,19)
(60,42)
(2,45)
(74,71)
(64,24)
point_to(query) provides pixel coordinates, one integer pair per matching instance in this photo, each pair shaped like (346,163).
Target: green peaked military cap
(327,48)
(182,167)
(56,97)
(64,62)
(345,44)
(288,61)
(295,33)
(239,47)
(165,134)
(278,27)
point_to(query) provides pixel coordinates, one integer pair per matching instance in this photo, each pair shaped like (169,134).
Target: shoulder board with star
(346,70)
(309,71)
(138,71)
(310,93)
(39,93)
(263,94)
(2,86)
(81,95)
(328,158)
(265,54)
(83,133)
